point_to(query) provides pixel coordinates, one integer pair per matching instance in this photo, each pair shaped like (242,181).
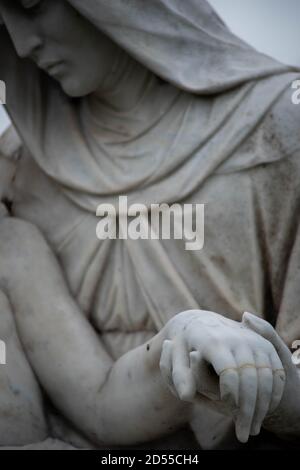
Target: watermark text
(158,222)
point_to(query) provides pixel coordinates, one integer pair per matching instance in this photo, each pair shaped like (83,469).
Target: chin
(76,89)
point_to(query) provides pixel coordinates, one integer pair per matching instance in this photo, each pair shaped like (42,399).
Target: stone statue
(115,342)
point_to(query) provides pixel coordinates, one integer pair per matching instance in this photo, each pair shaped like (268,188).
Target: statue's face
(61,42)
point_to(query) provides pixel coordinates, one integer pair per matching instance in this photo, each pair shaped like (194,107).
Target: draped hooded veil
(188,45)
(206,130)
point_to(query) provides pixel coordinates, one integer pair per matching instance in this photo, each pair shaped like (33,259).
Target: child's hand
(223,360)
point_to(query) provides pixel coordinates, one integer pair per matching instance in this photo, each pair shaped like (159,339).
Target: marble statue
(115,343)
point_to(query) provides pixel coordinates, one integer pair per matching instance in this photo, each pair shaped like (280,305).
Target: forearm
(143,402)
(113,403)
(285,421)
(119,403)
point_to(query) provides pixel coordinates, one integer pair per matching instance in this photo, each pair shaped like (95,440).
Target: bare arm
(113,403)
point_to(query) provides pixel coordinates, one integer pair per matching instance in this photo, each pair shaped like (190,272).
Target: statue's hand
(223,360)
(285,418)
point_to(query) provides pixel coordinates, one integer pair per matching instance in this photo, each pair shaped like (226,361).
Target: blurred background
(271,26)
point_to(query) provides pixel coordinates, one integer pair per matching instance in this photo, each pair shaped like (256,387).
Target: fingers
(247,392)
(183,378)
(229,387)
(264,391)
(247,383)
(175,369)
(225,366)
(279,380)
(266,330)
(279,355)
(206,381)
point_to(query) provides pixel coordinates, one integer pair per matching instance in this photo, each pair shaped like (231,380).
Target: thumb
(265,329)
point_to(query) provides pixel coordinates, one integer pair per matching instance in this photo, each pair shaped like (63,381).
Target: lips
(52,68)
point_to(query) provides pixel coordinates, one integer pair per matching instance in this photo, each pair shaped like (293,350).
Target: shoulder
(279,136)
(283,124)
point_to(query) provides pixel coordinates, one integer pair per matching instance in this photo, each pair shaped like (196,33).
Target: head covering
(183,41)
(231,87)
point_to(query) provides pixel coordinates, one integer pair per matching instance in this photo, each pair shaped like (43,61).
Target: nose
(28,47)
(24,34)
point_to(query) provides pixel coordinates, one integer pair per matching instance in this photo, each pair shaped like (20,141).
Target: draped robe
(202,132)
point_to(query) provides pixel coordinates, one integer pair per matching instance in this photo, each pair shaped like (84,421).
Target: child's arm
(113,403)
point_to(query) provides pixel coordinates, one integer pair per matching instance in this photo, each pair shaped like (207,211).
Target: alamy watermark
(296,94)
(159,221)
(2,92)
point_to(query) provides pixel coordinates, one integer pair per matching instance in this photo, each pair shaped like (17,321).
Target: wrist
(284,422)
(152,350)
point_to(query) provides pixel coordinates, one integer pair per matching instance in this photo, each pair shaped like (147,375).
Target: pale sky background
(272,26)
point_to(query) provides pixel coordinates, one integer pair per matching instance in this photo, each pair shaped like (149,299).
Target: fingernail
(242,434)
(255,430)
(185,392)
